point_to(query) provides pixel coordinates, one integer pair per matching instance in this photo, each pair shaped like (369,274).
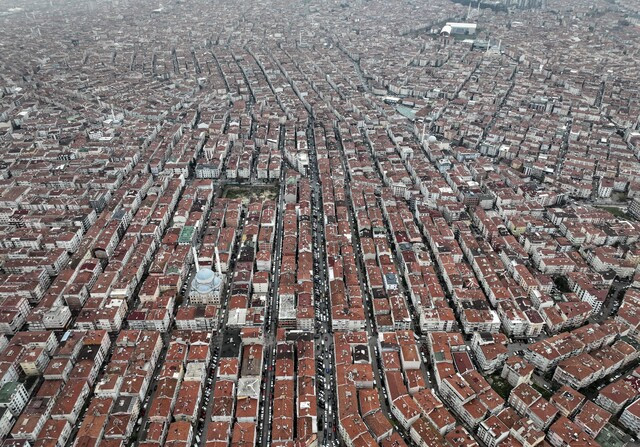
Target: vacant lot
(500,385)
(251,193)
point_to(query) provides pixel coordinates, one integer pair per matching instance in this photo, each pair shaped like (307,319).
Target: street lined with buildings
(316,223)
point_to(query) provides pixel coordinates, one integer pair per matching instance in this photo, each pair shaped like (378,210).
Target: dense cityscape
(320,223)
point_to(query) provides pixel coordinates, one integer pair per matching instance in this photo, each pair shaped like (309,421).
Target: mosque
(206,287)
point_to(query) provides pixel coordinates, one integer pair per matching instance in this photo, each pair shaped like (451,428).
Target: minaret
(218,268)
(195,258)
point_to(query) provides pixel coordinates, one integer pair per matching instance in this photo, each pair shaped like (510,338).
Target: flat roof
(612,436)
(462,25)
(186,234)
(7,391)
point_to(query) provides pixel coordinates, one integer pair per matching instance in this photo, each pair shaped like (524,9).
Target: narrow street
(323,338)
(369,322)
(271,319)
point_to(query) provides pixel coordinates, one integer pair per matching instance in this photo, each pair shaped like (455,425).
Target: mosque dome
(206,281)
(205,276)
